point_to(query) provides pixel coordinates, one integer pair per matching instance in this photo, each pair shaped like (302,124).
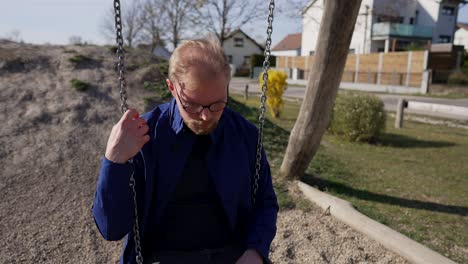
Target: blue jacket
(231,162)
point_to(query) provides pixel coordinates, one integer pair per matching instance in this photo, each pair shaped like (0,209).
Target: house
(389,25)
(238,47)
(158,51)
(289,46)
(161,52)
(461,35)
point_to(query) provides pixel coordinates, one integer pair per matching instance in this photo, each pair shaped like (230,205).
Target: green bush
(79,59)
(358,117)
(163,68)
(112,49)
(79,86)
(458,77)
(160,89)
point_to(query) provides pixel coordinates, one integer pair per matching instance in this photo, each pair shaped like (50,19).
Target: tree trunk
(336,30)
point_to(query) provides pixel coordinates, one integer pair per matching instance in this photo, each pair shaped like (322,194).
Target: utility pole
(366,14)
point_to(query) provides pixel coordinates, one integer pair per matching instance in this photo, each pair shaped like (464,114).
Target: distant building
(238,47)
(389,25)
(161,52)
(289,46)
(461,35)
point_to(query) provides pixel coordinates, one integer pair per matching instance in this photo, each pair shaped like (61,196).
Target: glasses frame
(184,104)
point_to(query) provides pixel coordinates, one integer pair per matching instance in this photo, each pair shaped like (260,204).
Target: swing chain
(136,228)
(261,118)
(120,55)
(124,108)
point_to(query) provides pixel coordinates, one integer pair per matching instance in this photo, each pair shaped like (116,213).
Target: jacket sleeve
(113,201)
(262,226)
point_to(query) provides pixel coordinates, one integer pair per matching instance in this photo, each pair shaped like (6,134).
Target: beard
(202,127)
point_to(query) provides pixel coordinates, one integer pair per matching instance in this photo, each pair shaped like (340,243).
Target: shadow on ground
(340,188)
(401,141)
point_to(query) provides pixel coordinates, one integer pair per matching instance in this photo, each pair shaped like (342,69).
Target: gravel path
(51,141)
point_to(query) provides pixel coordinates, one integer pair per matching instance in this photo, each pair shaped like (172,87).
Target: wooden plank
(395,61)
(299,62)
(350,64)
(281,62)
(368,62)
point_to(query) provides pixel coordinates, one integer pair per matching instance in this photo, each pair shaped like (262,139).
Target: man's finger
(140,121)
(130,114)
(143,130)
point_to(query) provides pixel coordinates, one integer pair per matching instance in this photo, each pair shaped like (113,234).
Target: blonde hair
(202,58)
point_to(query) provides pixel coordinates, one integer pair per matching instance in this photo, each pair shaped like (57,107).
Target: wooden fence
(396,68)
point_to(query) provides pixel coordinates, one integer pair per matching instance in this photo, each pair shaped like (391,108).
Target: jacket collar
(178,126)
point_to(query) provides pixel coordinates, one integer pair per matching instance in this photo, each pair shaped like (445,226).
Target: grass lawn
(415,180)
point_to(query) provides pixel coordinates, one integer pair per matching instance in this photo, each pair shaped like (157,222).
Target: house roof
(232,33)
(290,42)
(463,26)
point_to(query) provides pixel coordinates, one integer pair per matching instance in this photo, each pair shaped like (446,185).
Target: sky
(55,21)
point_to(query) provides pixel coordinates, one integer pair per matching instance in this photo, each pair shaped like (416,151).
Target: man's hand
(127,137)
(250,256)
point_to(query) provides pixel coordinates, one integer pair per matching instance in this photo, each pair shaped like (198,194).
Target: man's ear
(170,85)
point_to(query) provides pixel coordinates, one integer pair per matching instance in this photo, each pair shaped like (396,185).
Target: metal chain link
(120,55)
(261,118)
(124,108)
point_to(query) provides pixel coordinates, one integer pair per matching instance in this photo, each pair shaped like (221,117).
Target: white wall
(361,29)
(238,53)
(311,26)
(286,53)
(461,37)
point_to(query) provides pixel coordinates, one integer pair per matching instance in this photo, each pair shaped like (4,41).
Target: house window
(444,39)
(229,58)
(351,51)
(311,53)
(247,60)
(448,10)
(238,42)
(401,20)
(411,20)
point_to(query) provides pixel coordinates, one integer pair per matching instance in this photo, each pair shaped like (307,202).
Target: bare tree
(75,40)
(180,15)
(14,35)
(154,23)
(131,23)
(221,16)
(336,30)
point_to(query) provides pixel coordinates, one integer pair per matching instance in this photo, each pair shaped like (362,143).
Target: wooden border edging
(389,238)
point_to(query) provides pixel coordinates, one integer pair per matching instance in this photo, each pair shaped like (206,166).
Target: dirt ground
(51,142)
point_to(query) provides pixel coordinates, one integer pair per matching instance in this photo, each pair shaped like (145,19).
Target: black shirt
(194,218)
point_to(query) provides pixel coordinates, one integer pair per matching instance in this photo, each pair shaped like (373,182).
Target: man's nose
(205,114)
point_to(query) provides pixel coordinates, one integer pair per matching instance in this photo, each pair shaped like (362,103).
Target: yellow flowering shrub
(276,86)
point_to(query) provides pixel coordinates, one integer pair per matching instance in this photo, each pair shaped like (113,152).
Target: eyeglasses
(194,108)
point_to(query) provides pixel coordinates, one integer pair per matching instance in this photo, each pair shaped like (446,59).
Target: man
(194,166)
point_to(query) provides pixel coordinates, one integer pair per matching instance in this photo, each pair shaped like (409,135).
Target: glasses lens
(216,107)
(193,109)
